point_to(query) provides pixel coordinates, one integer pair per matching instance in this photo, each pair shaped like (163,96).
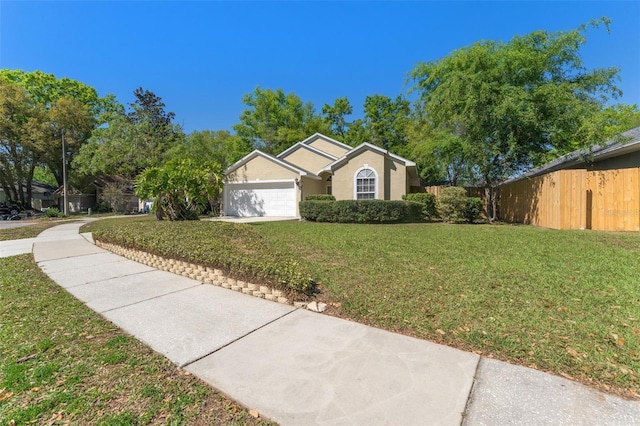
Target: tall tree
(218,146)
(274,120)
(132,140)
(336,115)
(387,120)
(65,105)
(21,127)
(509,104)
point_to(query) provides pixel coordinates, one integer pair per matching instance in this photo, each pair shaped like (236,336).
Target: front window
(365,184)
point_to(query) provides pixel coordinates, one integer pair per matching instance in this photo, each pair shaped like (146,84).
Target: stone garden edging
(201,273)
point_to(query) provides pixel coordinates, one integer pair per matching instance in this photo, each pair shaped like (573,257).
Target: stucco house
(265,185)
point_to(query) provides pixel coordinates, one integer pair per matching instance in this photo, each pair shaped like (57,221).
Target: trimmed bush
(428,202)
(361,211)
(320,197)
(238,249)
(452,203)
(473,209)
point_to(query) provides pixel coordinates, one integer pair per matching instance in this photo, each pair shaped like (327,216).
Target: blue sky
(201,57)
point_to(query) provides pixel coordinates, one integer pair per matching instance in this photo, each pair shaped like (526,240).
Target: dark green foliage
(361,211)
(320,197)
(52,212)
(473,209)
(428,201)
(101,207)
(452,203)
(237,249)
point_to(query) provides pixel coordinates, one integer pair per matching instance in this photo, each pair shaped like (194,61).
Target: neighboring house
(264,185)
(42,195)
(77,201)
(118,190)
(620,153)
(596,188)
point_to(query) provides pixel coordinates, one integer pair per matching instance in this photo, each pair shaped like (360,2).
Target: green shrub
(320,197)
(473,209)
(428,201)
(52,212)
(318,211)
(238,249)
(361,211)
(452,203)
(101,207)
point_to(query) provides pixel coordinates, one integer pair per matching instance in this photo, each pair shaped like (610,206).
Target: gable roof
(354,152)
(37,188)
(316,136)
(280,162)
(612,148)
(302,145)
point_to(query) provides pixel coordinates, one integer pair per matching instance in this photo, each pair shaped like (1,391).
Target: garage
(261,199)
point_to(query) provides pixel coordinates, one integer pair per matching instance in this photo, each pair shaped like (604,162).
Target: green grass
(61,363)
(30,231)
(567,302)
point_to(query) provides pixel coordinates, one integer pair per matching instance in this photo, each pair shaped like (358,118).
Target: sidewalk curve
(296,367)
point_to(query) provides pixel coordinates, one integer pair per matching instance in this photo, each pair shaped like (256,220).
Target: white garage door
(260,199)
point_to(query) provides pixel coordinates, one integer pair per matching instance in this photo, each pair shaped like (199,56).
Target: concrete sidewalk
(296,367)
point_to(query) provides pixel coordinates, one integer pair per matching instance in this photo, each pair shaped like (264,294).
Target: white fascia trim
(384,151)
(310,148)
(258,153)
(333,141)
(235,182)
(365,145)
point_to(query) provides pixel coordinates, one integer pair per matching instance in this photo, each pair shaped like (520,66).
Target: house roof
(622,144)
(38,188)
(283,163)
(316,136)
(302,145)
(353,152)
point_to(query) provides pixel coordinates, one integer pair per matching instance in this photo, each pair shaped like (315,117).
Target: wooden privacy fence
(607,200)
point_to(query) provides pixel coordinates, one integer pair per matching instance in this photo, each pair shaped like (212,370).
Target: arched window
(365,184)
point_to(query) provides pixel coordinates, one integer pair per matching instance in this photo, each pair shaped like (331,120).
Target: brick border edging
(201,273)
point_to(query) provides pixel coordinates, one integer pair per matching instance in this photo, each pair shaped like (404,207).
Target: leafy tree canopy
(218,146)
(274,120)
(509,104)
(38,110)
(133,139)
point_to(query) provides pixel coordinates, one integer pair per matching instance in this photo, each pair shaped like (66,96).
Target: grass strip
(32,230)
(61,363)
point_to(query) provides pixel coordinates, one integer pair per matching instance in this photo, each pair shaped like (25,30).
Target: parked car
(11,209)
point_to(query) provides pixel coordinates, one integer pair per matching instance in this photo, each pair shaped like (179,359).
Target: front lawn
(561,301)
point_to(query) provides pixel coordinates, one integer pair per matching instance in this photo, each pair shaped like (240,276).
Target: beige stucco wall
(312,186)
(307,160)
(392,177)
(328,147)
(260,168)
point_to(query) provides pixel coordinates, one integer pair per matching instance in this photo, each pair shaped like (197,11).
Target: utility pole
(64,175)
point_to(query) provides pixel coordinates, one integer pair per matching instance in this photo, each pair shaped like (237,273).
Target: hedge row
(237,249)
(361,211)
